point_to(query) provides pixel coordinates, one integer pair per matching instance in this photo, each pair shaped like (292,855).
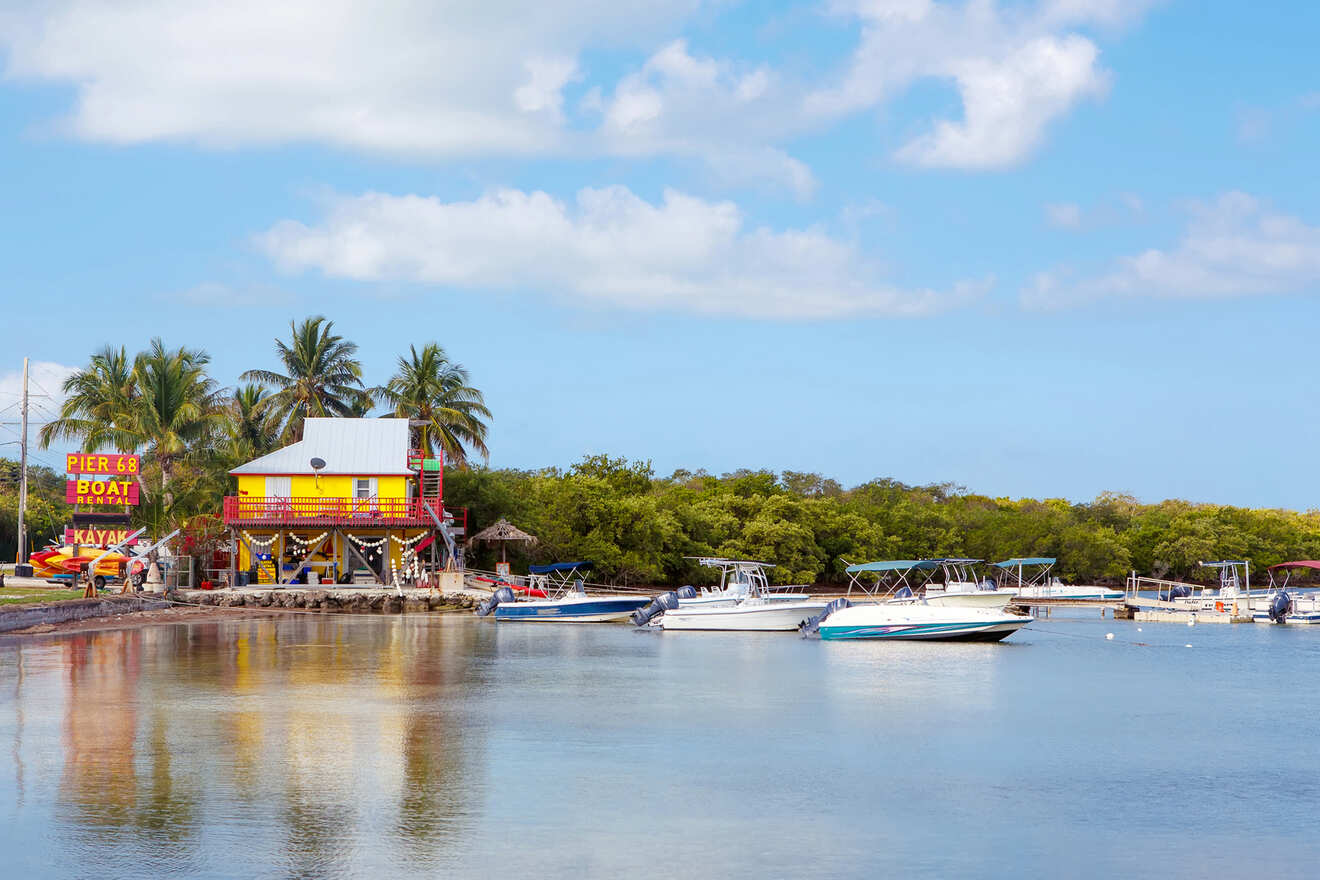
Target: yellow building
(349,503)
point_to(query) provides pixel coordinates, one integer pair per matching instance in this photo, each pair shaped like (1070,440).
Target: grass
(21,595)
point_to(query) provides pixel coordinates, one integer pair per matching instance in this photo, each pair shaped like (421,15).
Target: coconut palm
(322,377)
(162,403)
(250,426)
(97,400)
(429,388)
(178,409)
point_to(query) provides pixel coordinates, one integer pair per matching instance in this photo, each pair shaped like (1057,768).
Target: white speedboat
(1282,605)
(1040,585)
(962,589)
(739,578)
(752,614)
(745,602)
(918,621)
(556,594)
(892,611)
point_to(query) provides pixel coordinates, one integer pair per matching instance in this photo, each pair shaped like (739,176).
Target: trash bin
(23,570)
(244,578)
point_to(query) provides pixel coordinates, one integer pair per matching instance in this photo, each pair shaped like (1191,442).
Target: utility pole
(22,473)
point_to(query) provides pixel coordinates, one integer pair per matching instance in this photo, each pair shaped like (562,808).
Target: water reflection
(318,735)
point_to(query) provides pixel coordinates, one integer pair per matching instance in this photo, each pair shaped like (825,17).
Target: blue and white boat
(556,593)
(892,610)
(1038,584)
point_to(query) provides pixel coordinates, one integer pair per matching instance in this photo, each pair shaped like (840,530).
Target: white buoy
(1191,621)
(1109,636)
(1138,629)
(1188,645)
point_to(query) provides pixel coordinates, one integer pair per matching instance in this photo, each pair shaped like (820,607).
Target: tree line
(637,527)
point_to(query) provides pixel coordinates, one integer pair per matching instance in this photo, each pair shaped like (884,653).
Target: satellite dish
(318,464)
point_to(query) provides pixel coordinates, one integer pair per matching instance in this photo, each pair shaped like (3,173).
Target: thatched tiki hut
(504,532)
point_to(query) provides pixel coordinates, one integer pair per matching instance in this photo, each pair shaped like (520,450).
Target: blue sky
(1039,248)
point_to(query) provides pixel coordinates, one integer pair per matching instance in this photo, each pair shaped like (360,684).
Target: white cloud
(608,247)
(1008,102)
(1233,246)
(439,80)
(1064,215)
(1017,68)
(45,391)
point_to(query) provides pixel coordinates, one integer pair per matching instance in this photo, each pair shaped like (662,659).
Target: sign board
(97,465)
(100,492)
(98,537)
(100,519)
(502,569)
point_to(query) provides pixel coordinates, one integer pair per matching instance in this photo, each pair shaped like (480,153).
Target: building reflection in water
(311,735)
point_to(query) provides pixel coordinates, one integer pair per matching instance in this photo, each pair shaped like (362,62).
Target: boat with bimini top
(557,593)
(1038,584)
(891,609)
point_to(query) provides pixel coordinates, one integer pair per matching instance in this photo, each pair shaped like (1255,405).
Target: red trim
(362,512)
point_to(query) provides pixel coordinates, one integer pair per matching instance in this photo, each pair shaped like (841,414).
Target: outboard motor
(811,625)
(687,591)
(1281,607)
(1181,591)
(659,605)
(503,594)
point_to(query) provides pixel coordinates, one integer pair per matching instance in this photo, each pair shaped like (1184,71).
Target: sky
(1042,248)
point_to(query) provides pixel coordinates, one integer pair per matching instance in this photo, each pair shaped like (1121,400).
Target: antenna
(318,465)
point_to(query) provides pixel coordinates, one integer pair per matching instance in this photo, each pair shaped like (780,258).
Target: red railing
(250,510)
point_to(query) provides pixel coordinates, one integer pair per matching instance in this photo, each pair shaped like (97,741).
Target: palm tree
(96,405)
(250,425)
(178,410)
(162,403)
(429,388)
(322,377)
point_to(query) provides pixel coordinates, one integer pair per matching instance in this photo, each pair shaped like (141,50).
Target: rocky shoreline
(348,601)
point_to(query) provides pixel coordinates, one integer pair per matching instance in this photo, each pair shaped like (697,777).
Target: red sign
(100,492)
(98,537)
(91,464)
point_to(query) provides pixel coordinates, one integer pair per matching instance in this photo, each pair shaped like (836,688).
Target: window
(364,487)
(279,487)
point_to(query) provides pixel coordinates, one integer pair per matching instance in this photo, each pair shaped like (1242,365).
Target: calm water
(429,746)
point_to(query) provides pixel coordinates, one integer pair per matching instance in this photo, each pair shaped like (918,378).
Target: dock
(1143,609)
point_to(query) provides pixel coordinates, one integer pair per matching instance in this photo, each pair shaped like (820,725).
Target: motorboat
(891,609)
(1288,606)
(754,606)
(557,593)
(962,588)
(1231,596)
(739,578)
(1029,578)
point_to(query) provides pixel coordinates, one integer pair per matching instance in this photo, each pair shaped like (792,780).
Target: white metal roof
(377,447)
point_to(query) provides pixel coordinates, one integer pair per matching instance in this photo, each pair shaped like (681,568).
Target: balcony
(250,511)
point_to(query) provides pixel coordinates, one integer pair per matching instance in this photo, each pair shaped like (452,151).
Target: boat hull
(591,609)
(714,599)
(920,623)
(1066,592)
(770,616)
